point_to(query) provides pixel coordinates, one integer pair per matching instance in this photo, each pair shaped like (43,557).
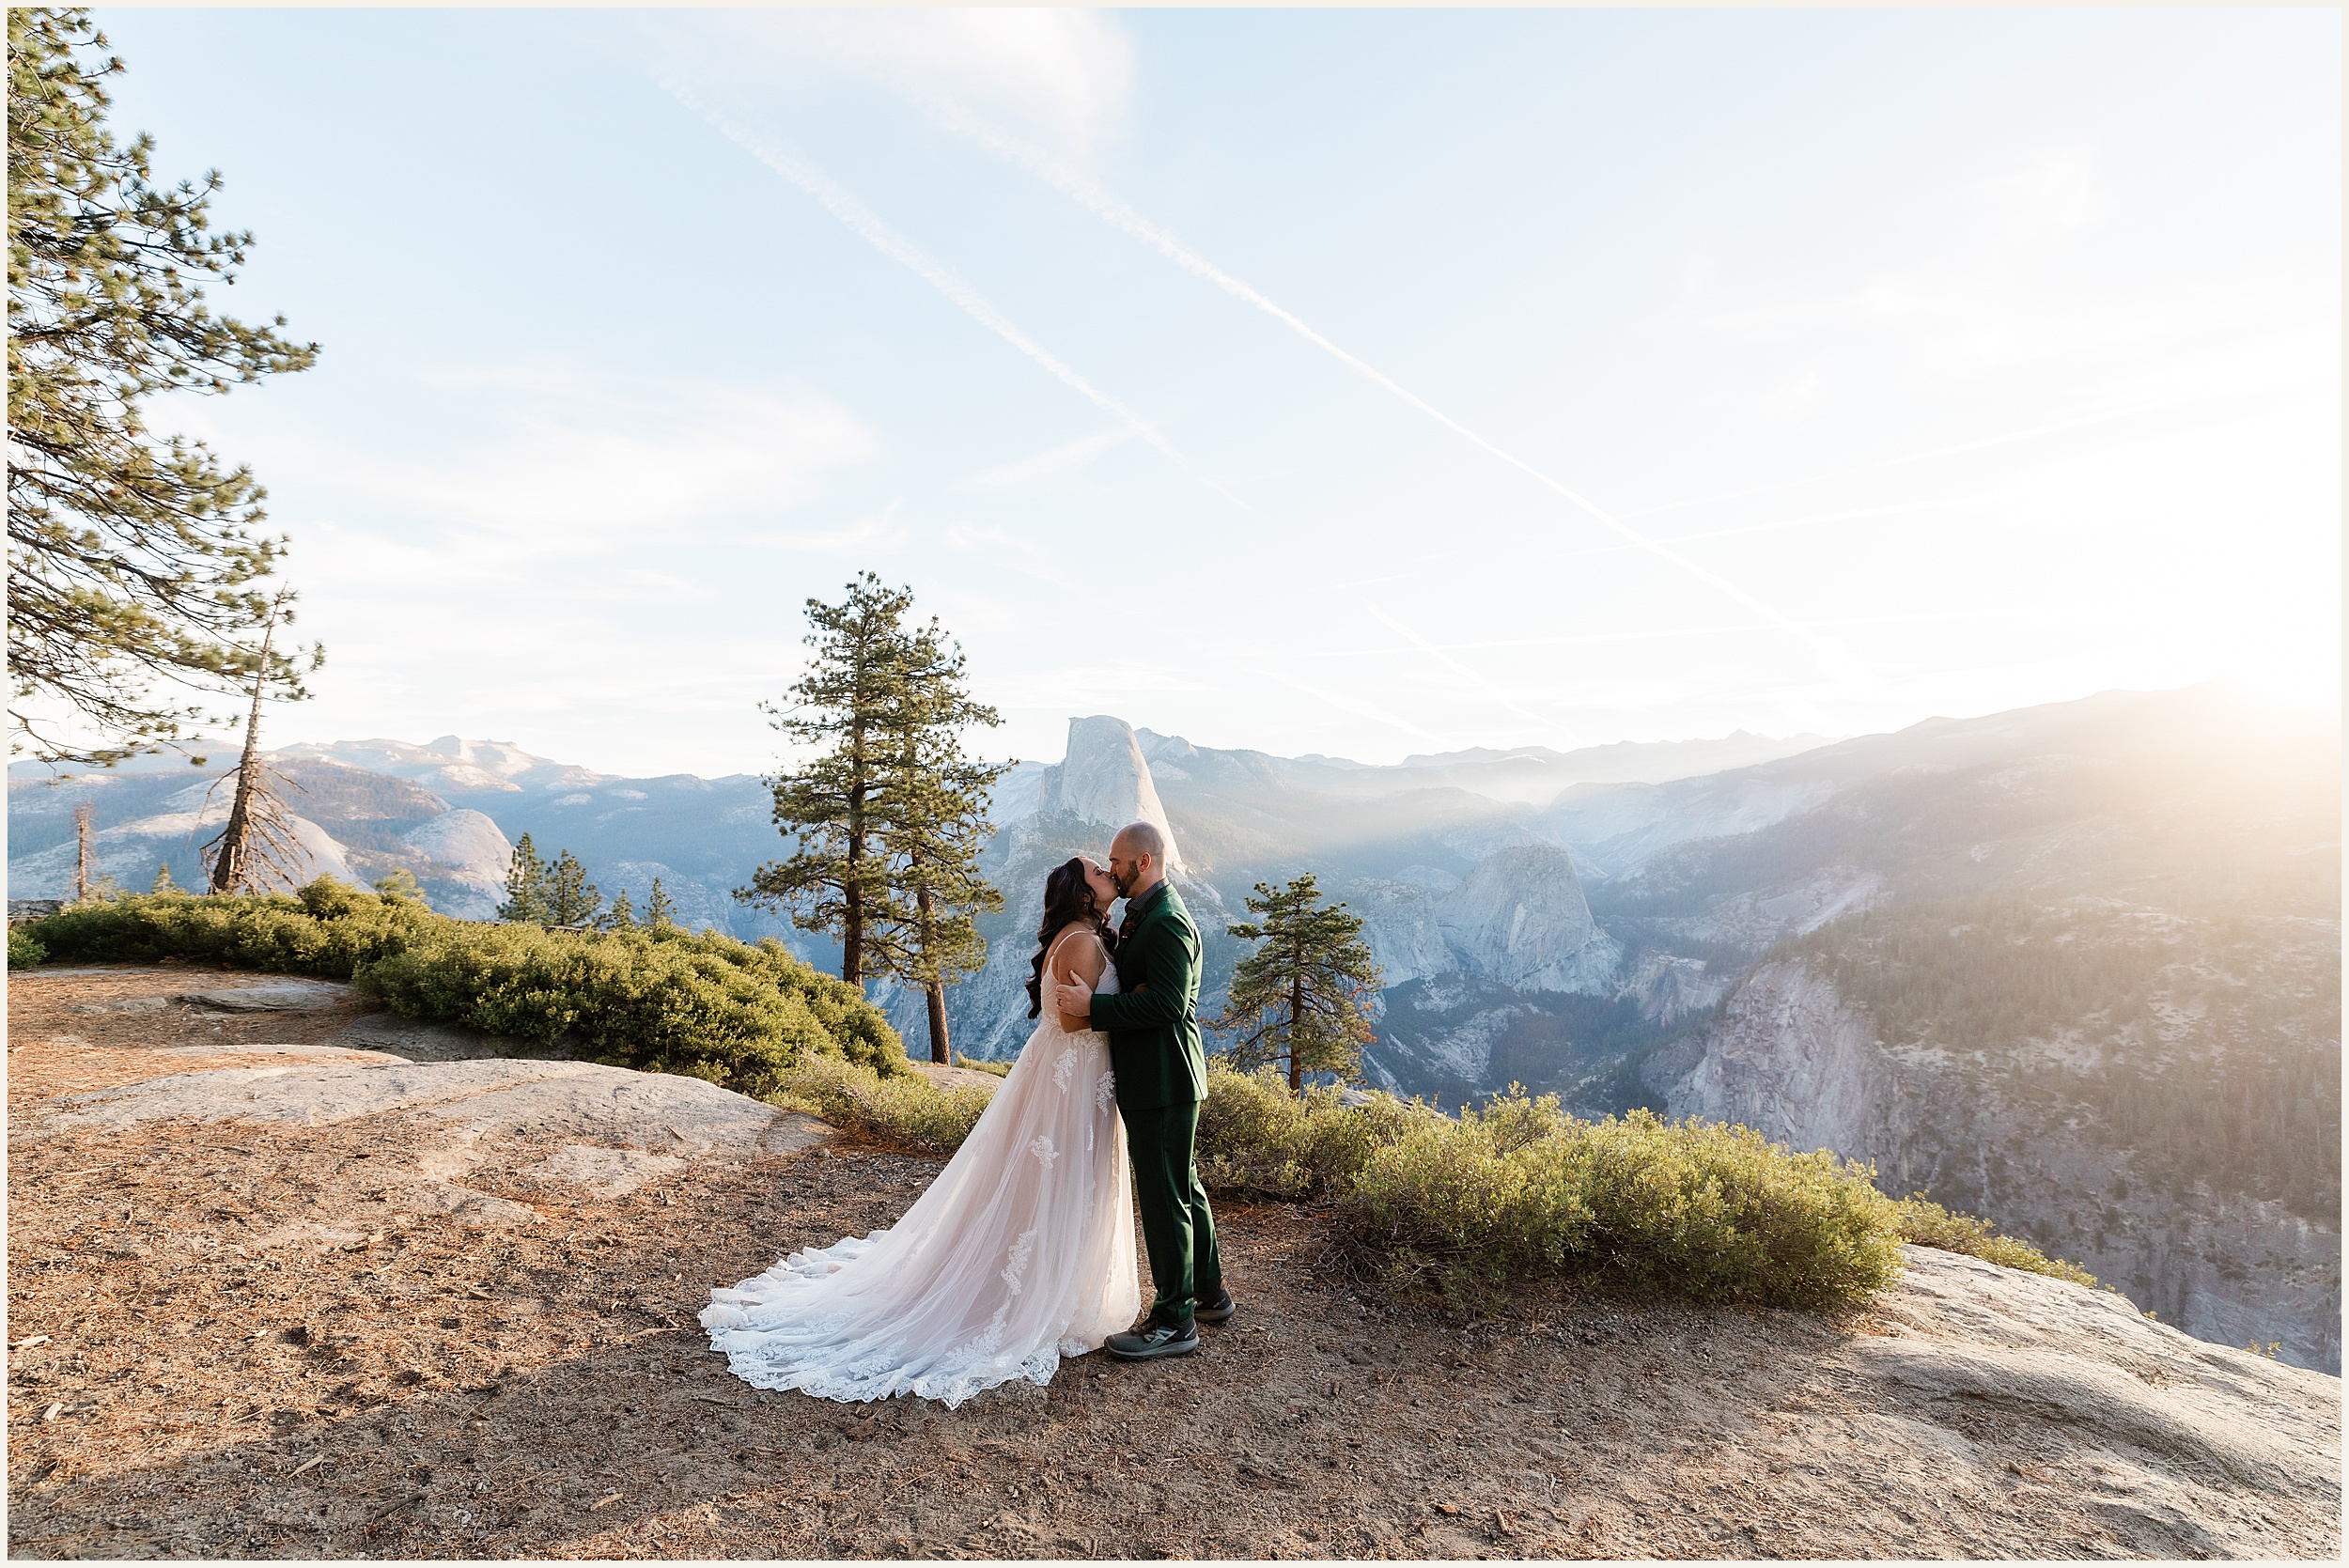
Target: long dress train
(1020,1252)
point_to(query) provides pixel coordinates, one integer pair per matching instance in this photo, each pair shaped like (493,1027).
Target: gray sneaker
(1153,1339)
(1216,1311)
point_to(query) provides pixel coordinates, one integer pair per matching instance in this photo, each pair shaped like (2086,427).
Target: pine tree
(256,846)
(658,911)
(132,557)
(838,881)
(933,816)
(162,882)
(525,886)
(1301,997)
(622,915)
(571,899)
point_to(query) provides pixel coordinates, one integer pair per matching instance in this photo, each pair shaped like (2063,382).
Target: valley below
(2073,967)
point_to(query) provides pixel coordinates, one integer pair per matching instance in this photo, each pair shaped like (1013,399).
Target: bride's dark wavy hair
(1067,898)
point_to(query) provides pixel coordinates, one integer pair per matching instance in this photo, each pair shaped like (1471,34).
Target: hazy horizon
(222,752)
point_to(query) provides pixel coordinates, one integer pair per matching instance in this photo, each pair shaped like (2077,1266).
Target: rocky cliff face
(1519,919)
(1105,780)
(1792,1058)
(471,856)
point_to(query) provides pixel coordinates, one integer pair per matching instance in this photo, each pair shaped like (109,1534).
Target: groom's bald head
(1137,858)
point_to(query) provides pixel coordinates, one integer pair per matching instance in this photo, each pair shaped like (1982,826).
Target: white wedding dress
(1020,1252)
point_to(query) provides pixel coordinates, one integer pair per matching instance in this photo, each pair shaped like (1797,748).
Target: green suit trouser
(1177,1227)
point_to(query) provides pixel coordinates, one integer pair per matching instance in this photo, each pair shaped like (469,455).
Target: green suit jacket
(1153,1021)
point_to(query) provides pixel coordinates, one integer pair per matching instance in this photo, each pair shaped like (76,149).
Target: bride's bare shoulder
(1076,933)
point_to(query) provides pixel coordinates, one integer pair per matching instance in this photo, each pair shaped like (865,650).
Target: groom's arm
(1169,970)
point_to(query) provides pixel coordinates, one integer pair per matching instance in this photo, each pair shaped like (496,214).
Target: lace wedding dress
(1020,1252)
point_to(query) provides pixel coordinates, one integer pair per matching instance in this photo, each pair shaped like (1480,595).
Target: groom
(1161,1073)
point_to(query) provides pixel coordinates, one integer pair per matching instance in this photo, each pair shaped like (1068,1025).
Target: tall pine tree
(837,879)
(133,558)
(934,824)
(1302,999)
(658,911)
(891,816)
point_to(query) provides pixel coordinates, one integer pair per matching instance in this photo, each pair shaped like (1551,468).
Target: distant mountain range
(2074,967)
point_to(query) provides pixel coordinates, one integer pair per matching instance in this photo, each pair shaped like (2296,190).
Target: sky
(1358,382)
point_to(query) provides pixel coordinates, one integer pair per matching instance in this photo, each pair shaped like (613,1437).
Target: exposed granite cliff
(1791,1057)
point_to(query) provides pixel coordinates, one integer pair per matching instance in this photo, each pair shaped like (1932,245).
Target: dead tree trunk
(257,844)
(85,852)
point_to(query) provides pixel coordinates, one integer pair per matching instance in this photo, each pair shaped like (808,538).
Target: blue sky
(1356,383)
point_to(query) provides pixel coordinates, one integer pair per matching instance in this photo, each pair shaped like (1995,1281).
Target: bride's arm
(1080,961)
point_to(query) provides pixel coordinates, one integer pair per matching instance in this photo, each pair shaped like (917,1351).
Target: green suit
(1161,1072)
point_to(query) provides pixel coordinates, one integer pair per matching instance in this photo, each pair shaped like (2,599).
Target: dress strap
(1062,940)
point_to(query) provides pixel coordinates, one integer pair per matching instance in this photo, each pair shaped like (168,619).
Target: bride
(1022,1251)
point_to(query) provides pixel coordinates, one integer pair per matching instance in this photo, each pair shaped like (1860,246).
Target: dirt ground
(443,1389)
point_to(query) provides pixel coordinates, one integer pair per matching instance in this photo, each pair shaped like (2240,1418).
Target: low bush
(25,952)
(1707,1212)
(1467,1208)
(1256,1137)
(1928,1224)
(905,1112)
(326,929)
(999,1069)
(737,1014)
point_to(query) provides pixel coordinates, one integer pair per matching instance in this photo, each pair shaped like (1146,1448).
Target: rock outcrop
(1519,919)
(1792,1058)
(1105,780)
(469,855)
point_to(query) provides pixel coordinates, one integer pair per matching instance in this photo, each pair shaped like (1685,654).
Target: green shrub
(1928,1224)
(328,929)
(736,1013)
(25,952)
(1698,1210)
(1001,1069)
(1256,1137)
(907,1112)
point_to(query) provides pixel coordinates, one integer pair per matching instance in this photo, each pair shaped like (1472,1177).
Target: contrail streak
(1099,202)
(862,220)
(1928,618)
(1983,443)
(1895,509)
(1446,659)
(1857,514)
(1361,709)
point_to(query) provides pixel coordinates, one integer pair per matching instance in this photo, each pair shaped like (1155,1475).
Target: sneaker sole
(1157,1355)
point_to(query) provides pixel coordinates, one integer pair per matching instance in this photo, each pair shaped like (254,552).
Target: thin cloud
(962,536)
(1449,663)
(1857,514)
(863,223)
(1660,634)
(1361,709)
(1024,472)
(1089,194)
(863,531)
(1982,443)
